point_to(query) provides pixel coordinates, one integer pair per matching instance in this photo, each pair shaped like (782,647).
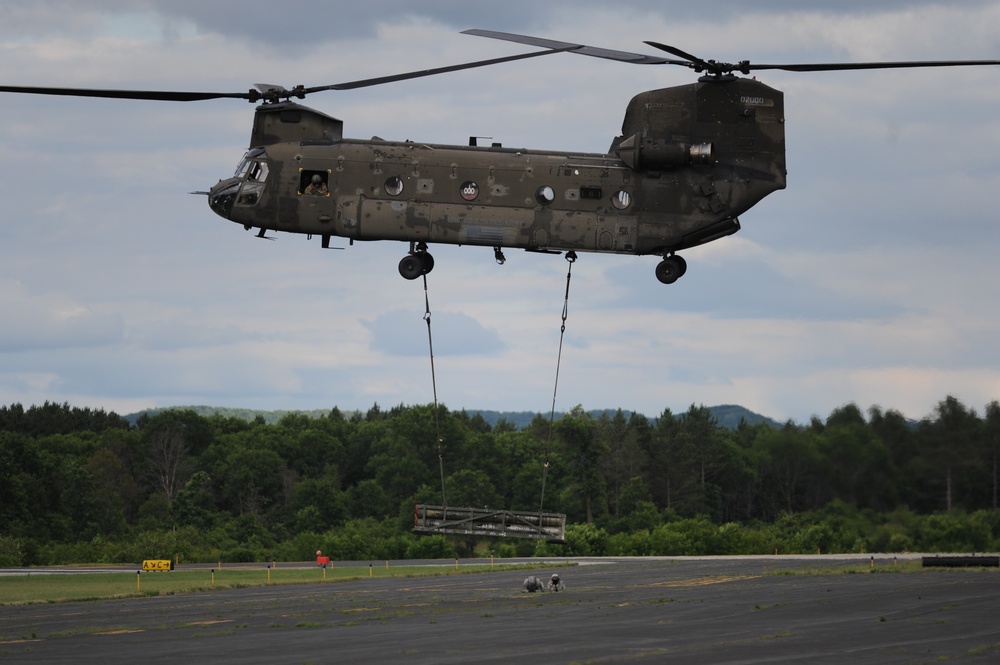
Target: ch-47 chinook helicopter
(689,161)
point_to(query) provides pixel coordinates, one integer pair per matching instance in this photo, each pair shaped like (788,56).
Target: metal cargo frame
(488,522)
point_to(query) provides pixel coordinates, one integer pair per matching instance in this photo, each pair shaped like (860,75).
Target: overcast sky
(873,278)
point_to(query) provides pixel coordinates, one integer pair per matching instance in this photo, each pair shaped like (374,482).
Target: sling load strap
(437,422)
(571,258)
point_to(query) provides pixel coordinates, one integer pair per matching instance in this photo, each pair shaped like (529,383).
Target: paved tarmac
(682,610)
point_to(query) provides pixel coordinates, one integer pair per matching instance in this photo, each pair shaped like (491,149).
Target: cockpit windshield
(248,162)
(242,169)
(253,172)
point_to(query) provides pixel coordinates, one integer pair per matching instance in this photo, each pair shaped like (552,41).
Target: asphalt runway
(686,610)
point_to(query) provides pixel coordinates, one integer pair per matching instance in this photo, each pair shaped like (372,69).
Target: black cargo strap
(571,258)
(437,423)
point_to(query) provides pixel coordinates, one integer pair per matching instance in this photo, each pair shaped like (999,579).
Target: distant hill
(270,417)
(727,415)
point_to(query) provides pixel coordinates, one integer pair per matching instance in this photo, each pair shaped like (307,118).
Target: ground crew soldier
(533,584)
(555,584)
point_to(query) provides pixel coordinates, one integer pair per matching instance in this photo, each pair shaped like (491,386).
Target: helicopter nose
(222,196)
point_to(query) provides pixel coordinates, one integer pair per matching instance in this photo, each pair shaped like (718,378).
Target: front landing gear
(418,262)
(670,269)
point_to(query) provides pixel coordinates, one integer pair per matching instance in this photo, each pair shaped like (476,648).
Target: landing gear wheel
(670,269)
(411,267)
(416,264)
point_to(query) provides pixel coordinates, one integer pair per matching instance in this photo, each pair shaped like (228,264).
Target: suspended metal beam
(487,522)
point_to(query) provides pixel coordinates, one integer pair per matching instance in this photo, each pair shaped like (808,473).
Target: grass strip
(57,588)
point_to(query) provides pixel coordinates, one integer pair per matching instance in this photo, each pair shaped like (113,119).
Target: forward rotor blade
(351,85)
(154,95)
(593,51)
(266,91)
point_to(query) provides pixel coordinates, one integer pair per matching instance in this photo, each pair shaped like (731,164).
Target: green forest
(87,486)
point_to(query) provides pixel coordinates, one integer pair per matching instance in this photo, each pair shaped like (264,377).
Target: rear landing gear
(418,262)
(670,269)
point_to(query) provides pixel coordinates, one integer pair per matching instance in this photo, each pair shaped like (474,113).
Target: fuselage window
(394,186)
(545,195)
(621,199)
(314,183)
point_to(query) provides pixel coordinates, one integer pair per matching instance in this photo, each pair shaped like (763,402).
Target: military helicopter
(689,161)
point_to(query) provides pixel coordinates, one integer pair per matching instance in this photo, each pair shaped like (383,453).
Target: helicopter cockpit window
(248,161)
(254,173)
(257,171)
(243,167)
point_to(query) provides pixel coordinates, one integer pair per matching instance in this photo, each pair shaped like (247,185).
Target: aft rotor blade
(154,95)
(692,60)
(593,51)
(351,85)
(717,68)
(849,66)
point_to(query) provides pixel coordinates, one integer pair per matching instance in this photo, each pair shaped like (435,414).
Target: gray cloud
(872,278)
(50,321)
(397,333)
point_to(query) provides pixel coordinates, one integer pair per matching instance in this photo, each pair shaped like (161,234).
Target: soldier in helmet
(317,187)
(555,584)
(532,584)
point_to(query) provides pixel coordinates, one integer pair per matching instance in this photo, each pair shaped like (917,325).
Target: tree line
(85,485)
